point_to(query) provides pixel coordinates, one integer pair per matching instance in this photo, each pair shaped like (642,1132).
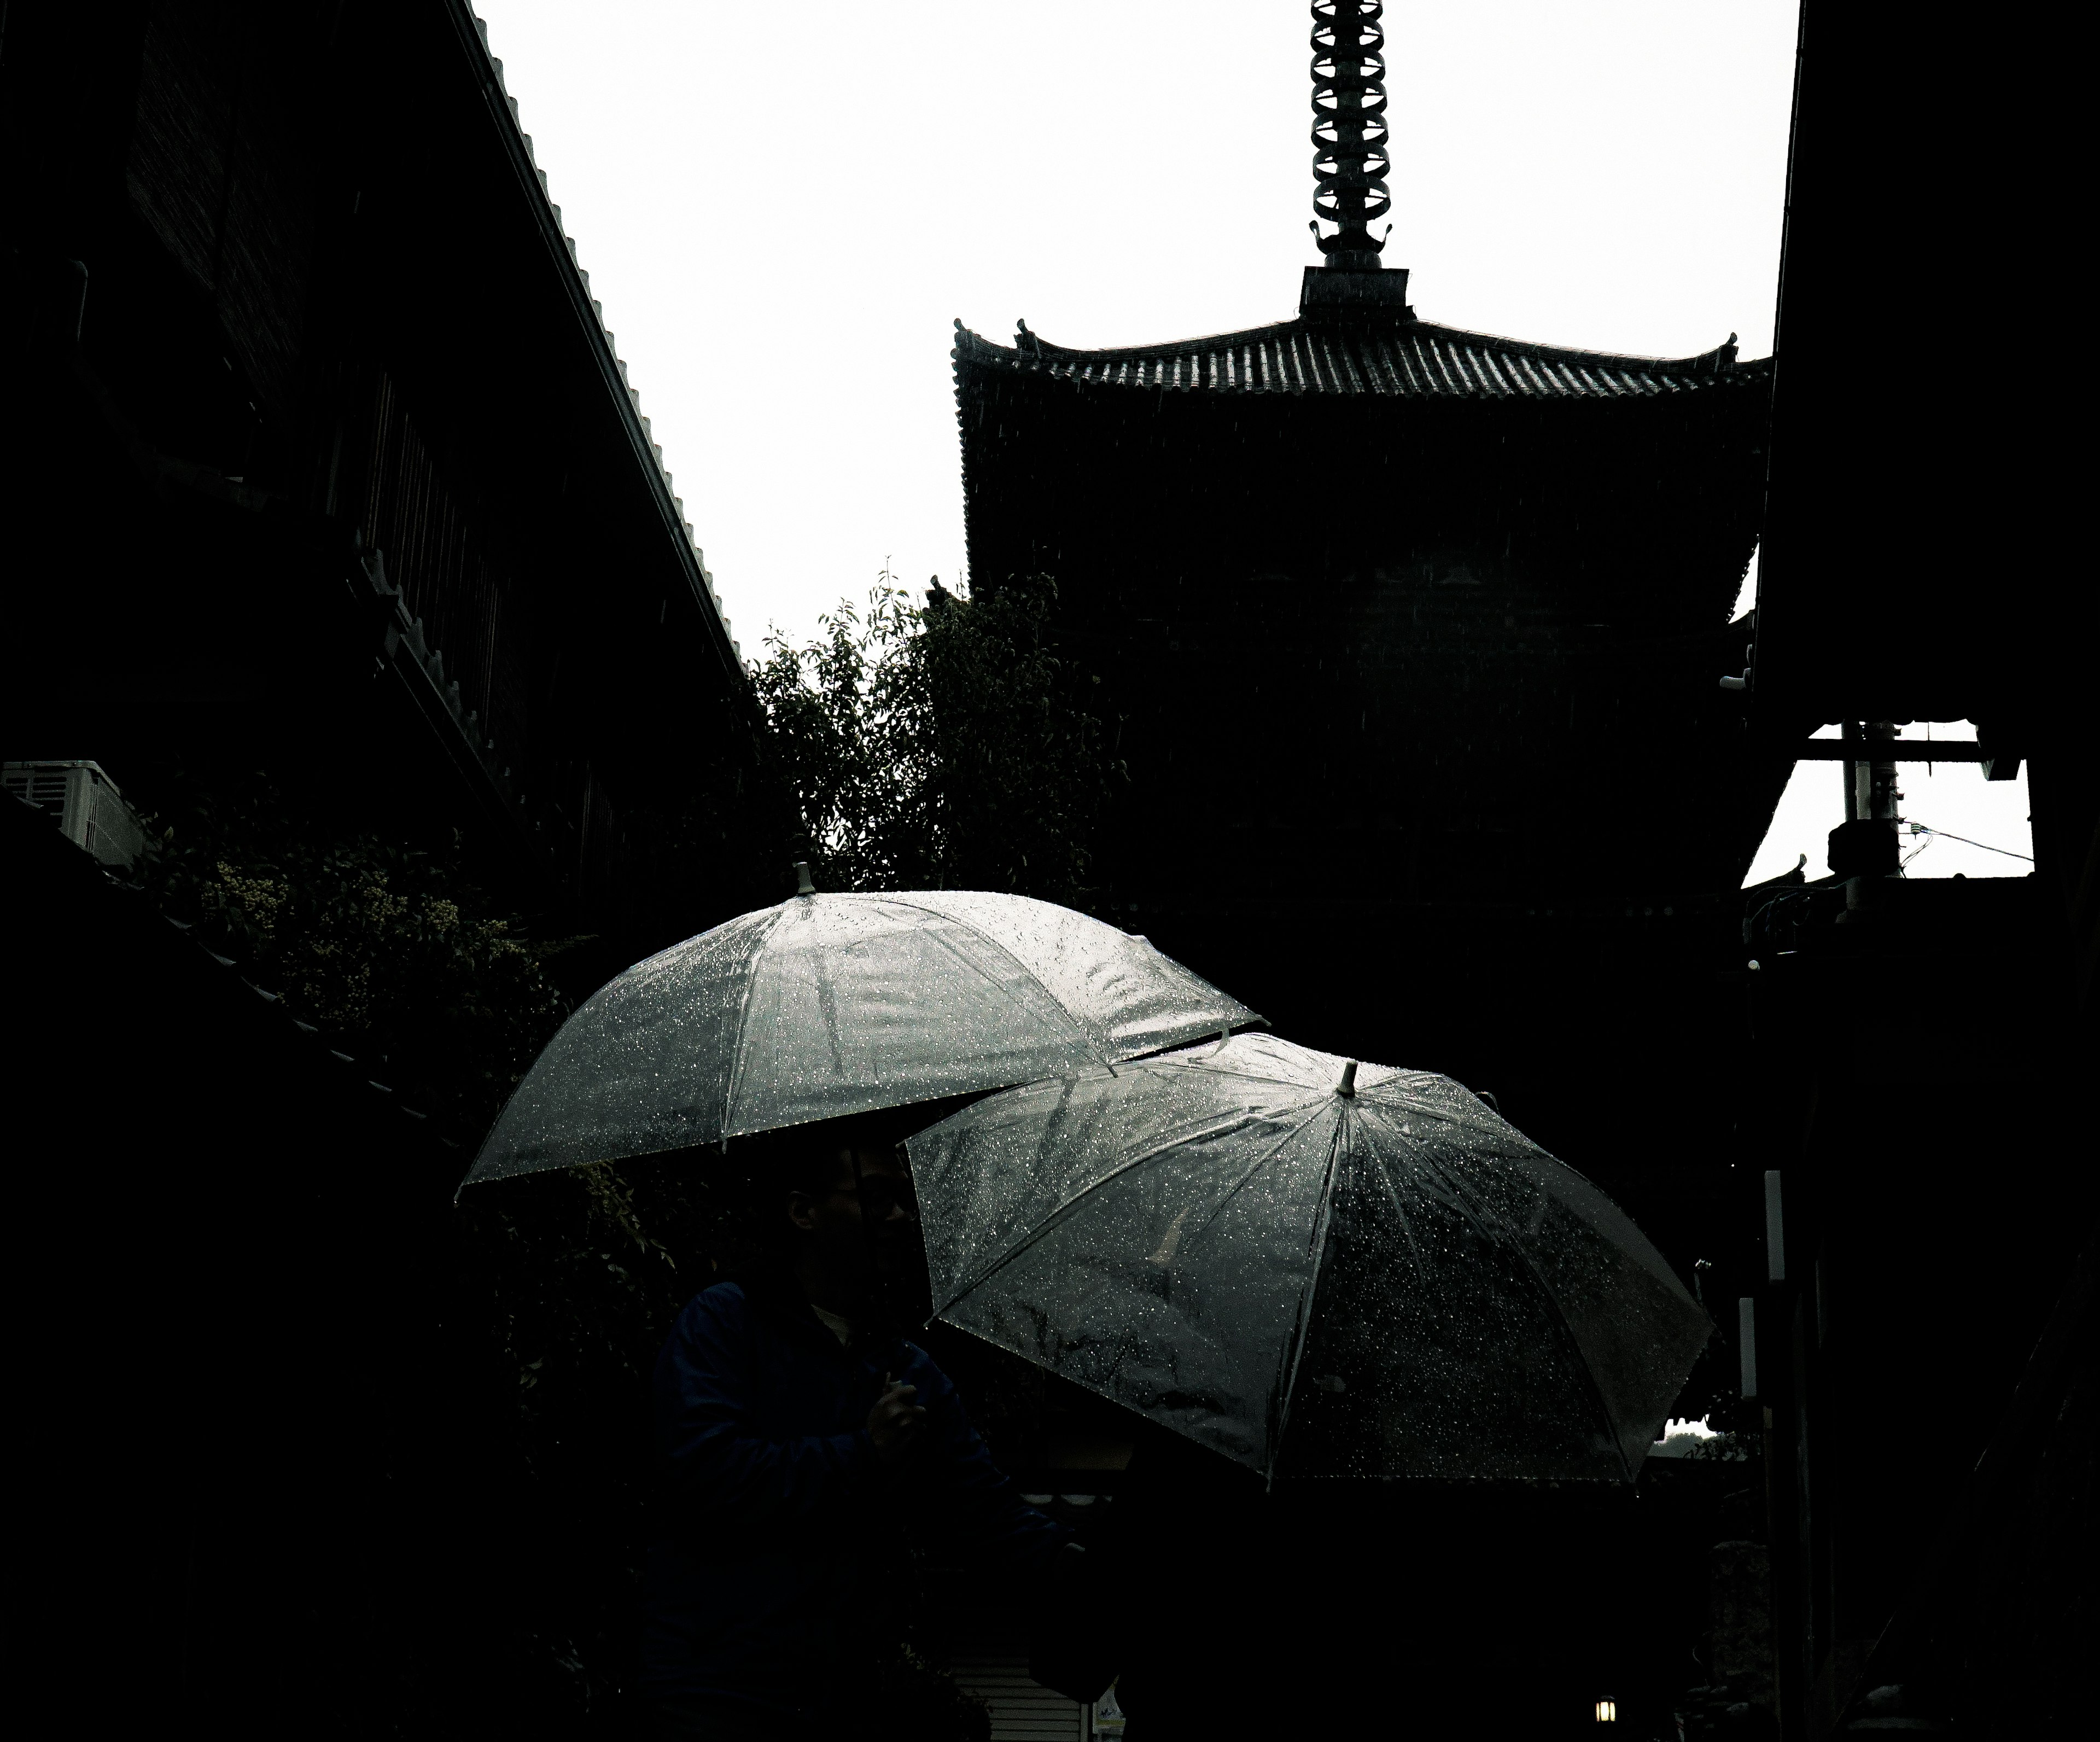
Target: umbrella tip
(1347,1085)
(803,886)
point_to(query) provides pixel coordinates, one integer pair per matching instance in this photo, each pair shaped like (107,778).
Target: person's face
(867,1214)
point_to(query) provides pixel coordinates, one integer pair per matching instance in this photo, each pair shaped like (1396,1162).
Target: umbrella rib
(1255,1167)
(1406,1222)
(1304,1320)
(827,1006)
(1490,1219)
(978,931)
(1465,1121)
(1064,1209)
(744,1018)
(1257,1020)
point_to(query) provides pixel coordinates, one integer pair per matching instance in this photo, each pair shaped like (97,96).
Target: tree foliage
(394,948)
(947,745)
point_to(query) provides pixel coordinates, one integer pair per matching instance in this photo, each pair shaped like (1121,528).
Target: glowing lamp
(1608,1711)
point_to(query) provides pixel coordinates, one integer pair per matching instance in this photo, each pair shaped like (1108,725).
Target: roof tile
(1410,359)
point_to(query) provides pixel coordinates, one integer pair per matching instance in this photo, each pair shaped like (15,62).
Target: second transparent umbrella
(1313,1267)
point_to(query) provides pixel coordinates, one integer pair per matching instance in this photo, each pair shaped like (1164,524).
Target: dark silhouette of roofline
(1370,356)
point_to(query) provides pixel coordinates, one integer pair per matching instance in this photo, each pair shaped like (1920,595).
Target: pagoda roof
(1395,359)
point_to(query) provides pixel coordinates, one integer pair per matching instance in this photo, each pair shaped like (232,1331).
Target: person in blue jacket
(800,1436)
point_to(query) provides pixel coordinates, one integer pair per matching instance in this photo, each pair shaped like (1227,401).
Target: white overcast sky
(782,208)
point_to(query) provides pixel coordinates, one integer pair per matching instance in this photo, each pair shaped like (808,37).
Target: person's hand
(893,1424)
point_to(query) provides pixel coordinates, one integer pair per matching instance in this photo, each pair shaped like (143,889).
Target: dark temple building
(1416,591)
(1450,604)
(1411,635)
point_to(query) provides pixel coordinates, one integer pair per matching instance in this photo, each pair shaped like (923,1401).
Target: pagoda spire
(1349,159)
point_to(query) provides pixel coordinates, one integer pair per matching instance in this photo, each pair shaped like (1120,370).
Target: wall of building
(311,373)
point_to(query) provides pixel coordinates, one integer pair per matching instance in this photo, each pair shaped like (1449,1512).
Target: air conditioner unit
(89,811)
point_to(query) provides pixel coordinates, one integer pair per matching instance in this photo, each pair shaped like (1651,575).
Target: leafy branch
(946,745)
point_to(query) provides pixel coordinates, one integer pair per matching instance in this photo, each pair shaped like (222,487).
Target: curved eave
(625,400)
(1400,360)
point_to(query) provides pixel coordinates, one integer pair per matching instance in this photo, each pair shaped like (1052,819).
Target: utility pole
(1864,850)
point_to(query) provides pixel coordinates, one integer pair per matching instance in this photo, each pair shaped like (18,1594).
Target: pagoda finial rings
(1326,13)
(1329,180)
(1368,126)
(1328,106)
(1340,93)
(1326,204)
(1365,37)
(1347,72)
(1350,160)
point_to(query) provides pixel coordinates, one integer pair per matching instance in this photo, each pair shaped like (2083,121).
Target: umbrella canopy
(1314,1268)
(829,1005)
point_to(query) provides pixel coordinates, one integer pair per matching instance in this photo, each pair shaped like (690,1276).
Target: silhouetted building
(323,479)
(327,467)
(1406,632)
(1411,635)
(1914,1088)
(1447,607)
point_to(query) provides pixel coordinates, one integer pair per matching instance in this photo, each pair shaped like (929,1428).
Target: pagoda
(1444,606)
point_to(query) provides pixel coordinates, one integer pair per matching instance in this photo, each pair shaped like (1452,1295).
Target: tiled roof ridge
(552,214)
(1372,359)
(1721,357)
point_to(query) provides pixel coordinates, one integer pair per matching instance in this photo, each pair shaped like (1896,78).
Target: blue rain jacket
(783,1517)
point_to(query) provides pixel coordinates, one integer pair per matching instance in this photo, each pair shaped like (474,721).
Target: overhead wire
(1923,829)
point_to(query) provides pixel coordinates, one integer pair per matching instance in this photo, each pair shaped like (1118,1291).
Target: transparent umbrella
(829,1005)
(1314,1268)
